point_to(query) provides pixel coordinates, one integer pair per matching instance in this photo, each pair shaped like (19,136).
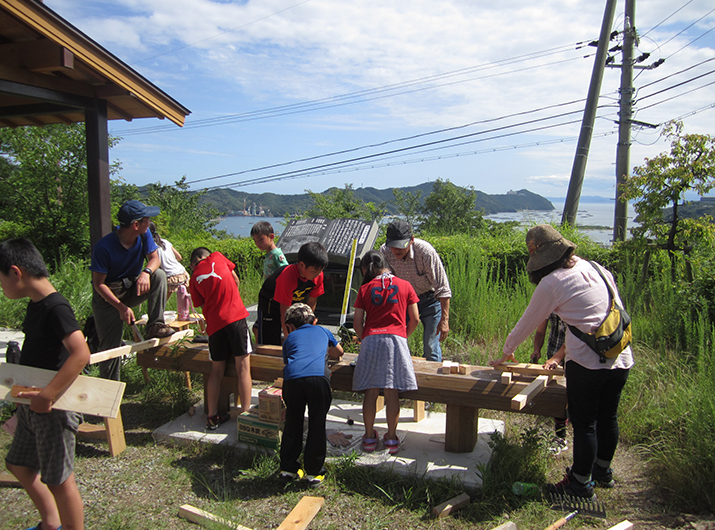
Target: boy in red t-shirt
(214,285)
(298,282)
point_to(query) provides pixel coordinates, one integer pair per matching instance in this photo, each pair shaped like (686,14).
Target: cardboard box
(252,430)
(270,405)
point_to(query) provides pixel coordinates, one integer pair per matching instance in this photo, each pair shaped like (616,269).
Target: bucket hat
(546,246)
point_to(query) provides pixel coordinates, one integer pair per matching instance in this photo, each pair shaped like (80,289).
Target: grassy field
(665,466)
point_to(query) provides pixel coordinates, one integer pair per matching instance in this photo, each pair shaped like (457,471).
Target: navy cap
(132,210)
(399,234)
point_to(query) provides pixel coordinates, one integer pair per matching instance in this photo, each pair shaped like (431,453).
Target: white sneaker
(558,446)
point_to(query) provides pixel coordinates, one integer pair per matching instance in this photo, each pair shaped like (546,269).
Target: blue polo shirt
(305,352)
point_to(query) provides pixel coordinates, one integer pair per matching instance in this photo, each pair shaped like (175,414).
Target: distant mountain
(275,205)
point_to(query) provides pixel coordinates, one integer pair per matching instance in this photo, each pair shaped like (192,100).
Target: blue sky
(367,72)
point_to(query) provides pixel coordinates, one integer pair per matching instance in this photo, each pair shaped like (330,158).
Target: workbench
(482,387)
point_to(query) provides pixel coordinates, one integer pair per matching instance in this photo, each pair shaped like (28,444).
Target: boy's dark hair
(299,315)
(199,254)
(374,263)
(313,254)
(23,254)
(261,228)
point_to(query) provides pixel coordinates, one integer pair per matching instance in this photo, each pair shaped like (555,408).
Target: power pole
(625,116)
(589,117)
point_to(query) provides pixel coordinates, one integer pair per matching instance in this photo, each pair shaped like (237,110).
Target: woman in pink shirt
(573,289)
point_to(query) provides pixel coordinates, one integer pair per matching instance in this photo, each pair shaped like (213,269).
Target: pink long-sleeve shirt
(580,298)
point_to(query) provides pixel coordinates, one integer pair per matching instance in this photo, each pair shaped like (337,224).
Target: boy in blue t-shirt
(306,381)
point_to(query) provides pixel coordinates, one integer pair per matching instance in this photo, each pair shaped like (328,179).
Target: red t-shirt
(292,288)
(385,301)
(213,287)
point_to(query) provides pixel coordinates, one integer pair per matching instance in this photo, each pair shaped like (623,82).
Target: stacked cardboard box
(264,425)
(270,405)
(252,430)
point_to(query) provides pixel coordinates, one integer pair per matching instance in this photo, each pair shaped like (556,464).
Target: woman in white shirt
(573,289)
(175,272)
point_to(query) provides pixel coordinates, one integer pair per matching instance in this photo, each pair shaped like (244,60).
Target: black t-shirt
(46,324)
(266,302)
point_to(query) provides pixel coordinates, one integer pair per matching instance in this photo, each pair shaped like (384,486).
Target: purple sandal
(392,446)
(369,444)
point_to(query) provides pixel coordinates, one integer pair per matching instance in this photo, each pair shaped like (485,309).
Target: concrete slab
(6,335)
(422,452)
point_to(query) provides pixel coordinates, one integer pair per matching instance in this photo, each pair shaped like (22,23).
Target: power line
(686,28)
(362,95)
(380,144)
(332,165)
(677,85)
(668,17)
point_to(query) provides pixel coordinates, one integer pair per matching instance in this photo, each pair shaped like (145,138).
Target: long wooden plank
(86,395)
(300,517)
(139,346)
(9,481)
(199,516)
(450,506)
(623,525)
(519,401)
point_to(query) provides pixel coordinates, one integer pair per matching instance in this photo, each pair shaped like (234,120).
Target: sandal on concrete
(369,444)
(392,446)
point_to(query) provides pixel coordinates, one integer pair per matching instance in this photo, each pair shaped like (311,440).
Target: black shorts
(232,340)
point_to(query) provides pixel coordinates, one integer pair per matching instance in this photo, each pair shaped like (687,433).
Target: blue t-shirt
(305,352)
(111,258)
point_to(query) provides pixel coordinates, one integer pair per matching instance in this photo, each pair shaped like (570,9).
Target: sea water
(588,214)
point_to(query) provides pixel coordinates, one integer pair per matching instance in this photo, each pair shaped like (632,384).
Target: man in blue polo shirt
(121,281)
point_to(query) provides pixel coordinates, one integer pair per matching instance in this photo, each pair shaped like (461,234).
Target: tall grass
(72,279)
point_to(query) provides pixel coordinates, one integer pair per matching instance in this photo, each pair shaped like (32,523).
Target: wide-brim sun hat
(546,246)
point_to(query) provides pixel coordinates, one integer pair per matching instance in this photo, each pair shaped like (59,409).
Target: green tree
(44,191)
(450,209)
(339,203)
(408,205)
(662,182)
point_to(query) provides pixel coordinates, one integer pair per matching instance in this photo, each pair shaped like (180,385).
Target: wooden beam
(40,55)
(450,506)
(462,429)
(198,516)
(528,369)
(300,517)
(9,481)
(505,378)
(86,395)
(269,349)
(139,346)
(520,401)
(623,525)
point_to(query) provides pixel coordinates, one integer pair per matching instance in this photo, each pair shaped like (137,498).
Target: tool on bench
(135,328)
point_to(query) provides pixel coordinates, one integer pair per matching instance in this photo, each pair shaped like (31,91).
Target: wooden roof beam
(35,109)
(119,112)
(41,56)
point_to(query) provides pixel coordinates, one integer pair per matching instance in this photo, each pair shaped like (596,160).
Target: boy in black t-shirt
(45,438)
(298,282)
